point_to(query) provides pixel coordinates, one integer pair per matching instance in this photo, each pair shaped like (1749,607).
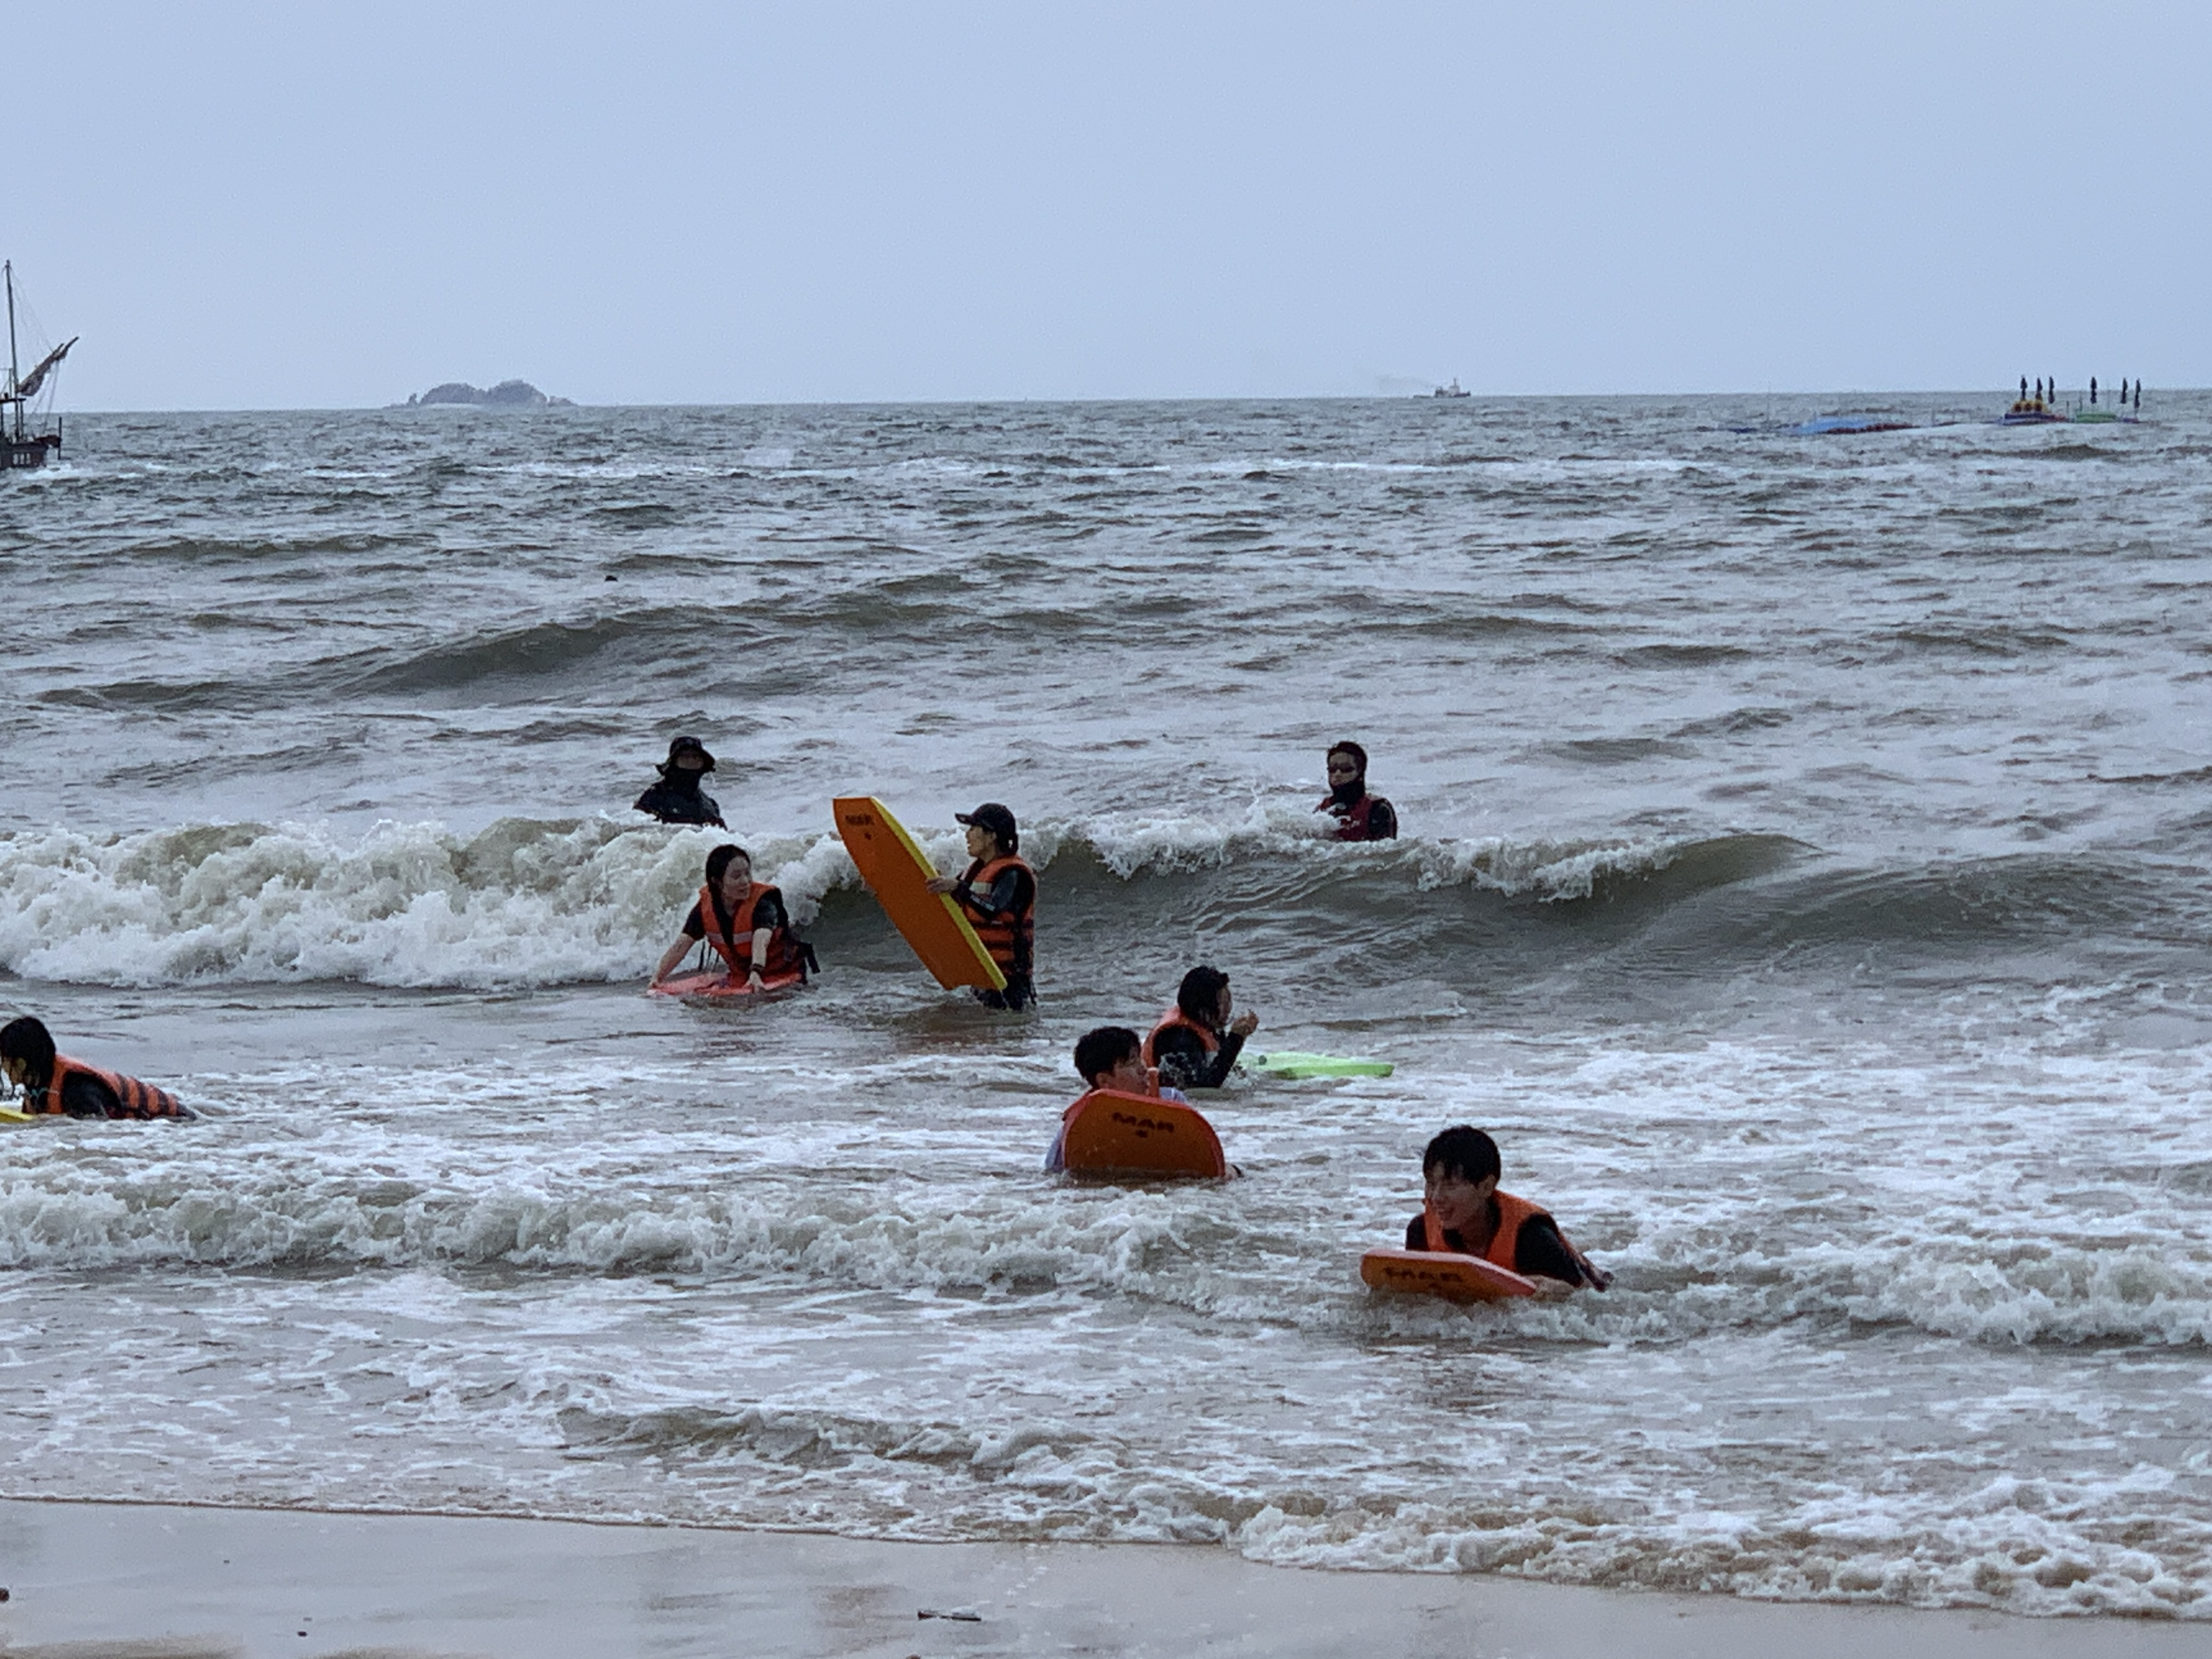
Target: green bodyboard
(1305,1065)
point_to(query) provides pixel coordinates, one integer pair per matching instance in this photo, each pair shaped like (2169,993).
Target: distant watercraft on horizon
(21,446)
(2041,406)
(1825,425)
(1451,390)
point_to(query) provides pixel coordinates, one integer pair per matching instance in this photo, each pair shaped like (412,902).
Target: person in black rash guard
(1465,1214)
(1359,815)
(1196,1045)
(678,797)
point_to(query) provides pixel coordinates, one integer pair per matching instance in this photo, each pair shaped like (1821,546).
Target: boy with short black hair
(1111,1057)
(1465,1214)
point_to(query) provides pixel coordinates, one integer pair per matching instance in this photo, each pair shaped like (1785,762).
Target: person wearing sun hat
(676,798)
(996,893)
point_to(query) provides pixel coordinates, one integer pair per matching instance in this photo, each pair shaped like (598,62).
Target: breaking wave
(534,903)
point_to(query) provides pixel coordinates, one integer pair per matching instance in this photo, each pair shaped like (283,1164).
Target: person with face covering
(1196,1043)
(678,797)
(1464,1213)
(1359,815)
(996,893)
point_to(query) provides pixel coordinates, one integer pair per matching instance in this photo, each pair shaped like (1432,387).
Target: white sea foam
(526,903)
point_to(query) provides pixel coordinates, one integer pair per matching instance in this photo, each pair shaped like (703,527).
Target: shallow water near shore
(1804,879)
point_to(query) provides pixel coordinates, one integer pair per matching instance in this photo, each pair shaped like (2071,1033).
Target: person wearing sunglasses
(1359,815)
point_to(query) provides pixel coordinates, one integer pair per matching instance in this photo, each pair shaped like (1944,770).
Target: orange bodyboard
(1442,1273)
(898,875)
(1109,1132)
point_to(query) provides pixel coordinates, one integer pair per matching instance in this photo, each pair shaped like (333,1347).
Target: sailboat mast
(14,371)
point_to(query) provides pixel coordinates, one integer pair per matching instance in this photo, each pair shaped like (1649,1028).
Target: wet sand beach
(102,1581)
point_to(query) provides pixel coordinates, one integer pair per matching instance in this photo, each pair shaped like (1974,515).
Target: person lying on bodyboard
(1110,1057)
(745,923)
(54,1085)
(1465,1214)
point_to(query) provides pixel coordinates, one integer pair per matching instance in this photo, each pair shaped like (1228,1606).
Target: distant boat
(1451,390)
(1822,425)
(22,447)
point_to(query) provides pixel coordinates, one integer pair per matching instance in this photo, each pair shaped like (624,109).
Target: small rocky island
(508,394)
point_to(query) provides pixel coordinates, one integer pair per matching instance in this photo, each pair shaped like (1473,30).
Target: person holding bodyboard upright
(996,893)
(1464,1213)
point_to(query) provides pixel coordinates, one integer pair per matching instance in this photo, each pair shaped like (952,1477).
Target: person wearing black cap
(678,797)
(998,894)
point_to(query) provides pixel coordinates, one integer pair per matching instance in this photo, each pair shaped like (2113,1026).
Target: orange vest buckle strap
(141,1100)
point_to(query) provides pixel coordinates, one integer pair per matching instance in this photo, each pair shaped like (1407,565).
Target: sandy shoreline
(116,1580)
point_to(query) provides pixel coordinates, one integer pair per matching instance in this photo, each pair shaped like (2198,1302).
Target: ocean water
(1805,878)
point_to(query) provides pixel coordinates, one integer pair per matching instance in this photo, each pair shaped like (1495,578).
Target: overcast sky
(315,206)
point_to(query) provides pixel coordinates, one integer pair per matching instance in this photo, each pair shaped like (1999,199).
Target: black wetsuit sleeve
(1540,1253)
(1001,898)
(88,1097)
(694,925)
(1381,820)
(770,912)
(1185,1063)
(1224,1061)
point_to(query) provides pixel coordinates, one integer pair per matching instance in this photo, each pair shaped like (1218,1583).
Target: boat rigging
(20,445)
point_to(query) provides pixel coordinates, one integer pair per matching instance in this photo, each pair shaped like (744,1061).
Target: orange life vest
(1173,1019)
(139,1099)
(735,947)
(1512,1213)
(1011,939)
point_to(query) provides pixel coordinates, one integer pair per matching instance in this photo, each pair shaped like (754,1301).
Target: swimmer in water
(1466,1214)
(1196,1044)
(744,920)
(54,1085)
(1359,815)
(1110,1057)
(677,797)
